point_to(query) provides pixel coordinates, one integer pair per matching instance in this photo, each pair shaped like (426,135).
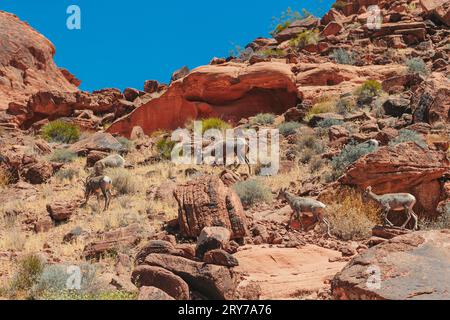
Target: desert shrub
(288,128)
(349,154)
(305,38)
(328,123)
(29,270)
(316,163)
(63,155)
(277,53)
(214,123)
(70,295)
(263,119)
(351,218)
(345,106)
(60,131)
(442,222)
(368,91)
(406,135)
(123,181)
(324,104)
(342,56)
(253,191)
(339,5)
(309,147)
(126,144)
(286,18)
(165,147)
(5,177)
(66,174)
(417,65)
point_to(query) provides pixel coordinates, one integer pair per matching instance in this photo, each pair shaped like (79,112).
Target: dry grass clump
(324,104)
(5,178)
(124,182)
(350,216)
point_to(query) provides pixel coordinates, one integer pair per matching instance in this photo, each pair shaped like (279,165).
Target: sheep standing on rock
(111,161)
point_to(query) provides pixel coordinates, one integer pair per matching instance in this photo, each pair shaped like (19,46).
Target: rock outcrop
(231,91)
(406,167)
(26,60)
(207,202)
(409,267)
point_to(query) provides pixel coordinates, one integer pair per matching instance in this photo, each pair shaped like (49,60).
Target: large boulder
(99,142)
(212,238)
(409,267)
(231,91)
(27,63)
(212,281)
(438,9)
(173,285)
(406,167)
(207,202)
(153,294)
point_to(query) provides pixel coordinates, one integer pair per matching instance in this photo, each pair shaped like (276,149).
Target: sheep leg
(408,214)
(106,195)
(290,220)
(87,196)
(385,217)
(323,220)
(416,220)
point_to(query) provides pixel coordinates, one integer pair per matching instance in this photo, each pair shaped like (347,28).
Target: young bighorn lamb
(111,161)
(299,205)
(394,201)
(96,185)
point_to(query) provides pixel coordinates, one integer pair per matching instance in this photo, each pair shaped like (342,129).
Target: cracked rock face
(409,267)
(26,63)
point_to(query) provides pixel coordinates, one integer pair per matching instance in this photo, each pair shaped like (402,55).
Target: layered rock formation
(230,91)
(26,63)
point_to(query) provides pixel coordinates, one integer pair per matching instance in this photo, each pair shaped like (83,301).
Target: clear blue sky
(123,43)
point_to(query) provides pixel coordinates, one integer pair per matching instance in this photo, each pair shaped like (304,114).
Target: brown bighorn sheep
(299,205)
(111,161)
(96,185)
(394,201)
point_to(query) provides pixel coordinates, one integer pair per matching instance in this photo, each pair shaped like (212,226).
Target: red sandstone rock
(406,167)
(27,63)
(231,91)
(207,202)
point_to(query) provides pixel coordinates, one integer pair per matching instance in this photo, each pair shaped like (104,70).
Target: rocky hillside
(362,113)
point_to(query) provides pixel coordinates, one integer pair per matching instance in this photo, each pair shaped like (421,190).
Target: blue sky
(123,43)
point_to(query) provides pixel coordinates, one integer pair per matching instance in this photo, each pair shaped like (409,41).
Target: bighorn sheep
(373,143)
(96,185)
(240,149)
(394,201)
(111,161)
(299,205)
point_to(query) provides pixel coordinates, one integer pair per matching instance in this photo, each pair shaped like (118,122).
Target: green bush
(406,135)
(263,119)
(342,56)
(29,270)
(269,53)
(351,153)
(288,128)
(417,65)
(214,123)
(60,131)
(339,5)
(66,174)
(345,106)
(328,123)
(305,38)
(123,181)
(126,144)
(287,17)
(63,156)
(253,191)
(442,222)
(165,147)
(368,91)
